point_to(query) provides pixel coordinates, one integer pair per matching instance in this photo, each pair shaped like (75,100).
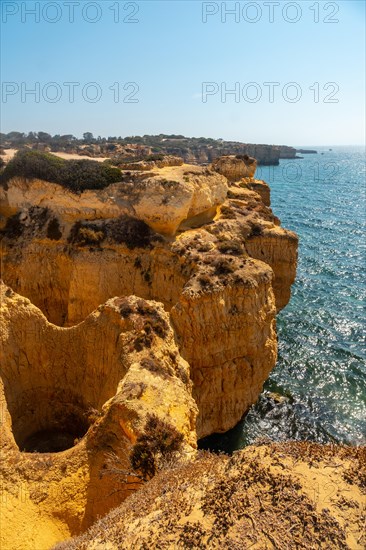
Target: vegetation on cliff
(75,175)
(125,229)
(290,495)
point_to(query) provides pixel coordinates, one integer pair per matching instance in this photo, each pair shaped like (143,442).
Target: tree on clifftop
(88,137)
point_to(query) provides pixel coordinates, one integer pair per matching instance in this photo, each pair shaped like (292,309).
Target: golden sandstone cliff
(191,266)
(220,276)
(87,391)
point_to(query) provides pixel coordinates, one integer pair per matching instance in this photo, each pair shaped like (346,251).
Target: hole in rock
(51,441)
(49,421)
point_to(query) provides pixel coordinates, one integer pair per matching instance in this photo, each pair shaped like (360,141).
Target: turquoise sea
(321,369)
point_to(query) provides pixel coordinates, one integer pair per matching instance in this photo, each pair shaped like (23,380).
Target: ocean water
(320,376)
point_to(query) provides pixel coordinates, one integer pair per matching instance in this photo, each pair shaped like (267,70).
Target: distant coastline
(199,151)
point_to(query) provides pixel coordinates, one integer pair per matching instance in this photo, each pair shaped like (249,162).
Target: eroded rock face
(221,281)
(72,396)
(81,378)
(165,160)
(162,199)
(279,250)
(180,195)
(234,167)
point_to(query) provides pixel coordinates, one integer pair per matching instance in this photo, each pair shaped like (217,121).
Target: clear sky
(182,58)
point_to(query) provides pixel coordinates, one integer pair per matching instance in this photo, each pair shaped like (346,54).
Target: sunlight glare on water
(321,370)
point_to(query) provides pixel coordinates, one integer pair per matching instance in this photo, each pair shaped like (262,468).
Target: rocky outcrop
(287,152)
(163,199)
(235,167)
(279,250)
(179,195)
(87,391)
(293,495)
(140,148)
(264,154)
(160,162)
(221,277)
(307,151)
(260,187)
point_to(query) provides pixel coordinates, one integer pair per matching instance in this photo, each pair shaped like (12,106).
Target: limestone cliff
(191,266)
(220,263)
(192,150)
(235,168)
(86,391)
(163,198)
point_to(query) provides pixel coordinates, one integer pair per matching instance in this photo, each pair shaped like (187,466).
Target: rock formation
(235,168)
(135,148)
(87,391)
(307,151)
(69,253)
(287,152)
(266,155)
(160,162)
(163,199)
(191,269)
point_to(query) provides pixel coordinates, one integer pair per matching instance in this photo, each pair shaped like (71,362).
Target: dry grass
(261,497)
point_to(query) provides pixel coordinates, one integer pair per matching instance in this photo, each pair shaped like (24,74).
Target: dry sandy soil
(9,153)
(282,496)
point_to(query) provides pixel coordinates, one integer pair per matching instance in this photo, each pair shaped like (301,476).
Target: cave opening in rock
(53,440)
(49,421)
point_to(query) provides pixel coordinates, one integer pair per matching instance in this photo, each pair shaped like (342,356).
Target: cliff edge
(191,265)
(209,249)
(289,495)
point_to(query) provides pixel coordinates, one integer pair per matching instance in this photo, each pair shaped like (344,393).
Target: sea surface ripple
(317,391)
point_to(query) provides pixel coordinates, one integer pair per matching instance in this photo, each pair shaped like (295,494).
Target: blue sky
(172,56)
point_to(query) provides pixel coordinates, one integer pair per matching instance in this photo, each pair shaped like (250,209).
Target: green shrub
(154,366)
(257,230)
(227,213)
(153,325)
(223,267)
(13,228)
(33,164)
(34,224)
(125,230)
(155,157)
(124,308)
(78,175)
(75,175)
(204,280)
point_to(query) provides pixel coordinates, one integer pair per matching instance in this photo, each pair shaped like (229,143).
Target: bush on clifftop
(159,441)
(75,175)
